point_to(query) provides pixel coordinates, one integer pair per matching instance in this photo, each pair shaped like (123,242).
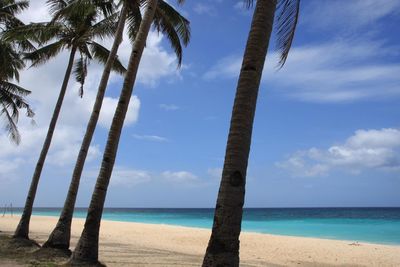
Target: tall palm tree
(61,234)
(177,30)
(223,246)
(12,95)
(76,31)
(164,17)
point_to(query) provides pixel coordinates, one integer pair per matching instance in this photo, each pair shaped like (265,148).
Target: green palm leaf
(80,72)
(43,54)
(101,53)
(177,28)
(287,18)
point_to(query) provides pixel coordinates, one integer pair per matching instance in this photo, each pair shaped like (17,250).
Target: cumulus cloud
(45,82)
(363,151)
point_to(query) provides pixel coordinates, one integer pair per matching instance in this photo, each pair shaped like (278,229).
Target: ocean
(375,225)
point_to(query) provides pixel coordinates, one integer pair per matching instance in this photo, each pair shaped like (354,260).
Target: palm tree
(75,31)
(60,236)
(177,30)
(12,95)
(223,246)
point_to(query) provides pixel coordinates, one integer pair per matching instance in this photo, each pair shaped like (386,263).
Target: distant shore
(137,244)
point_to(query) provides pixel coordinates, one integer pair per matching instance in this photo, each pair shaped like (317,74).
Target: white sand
(136,244)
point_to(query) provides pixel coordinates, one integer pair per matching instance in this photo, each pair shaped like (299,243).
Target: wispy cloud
(169,107)
(205,9)
(180,177)
(242,8)
(153,138)
(342,71)
(353,14)
(215,172)
(363,151)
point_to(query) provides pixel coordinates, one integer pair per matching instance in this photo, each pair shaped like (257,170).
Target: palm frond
(287,18)
(13,89)
(56,5)
(134,18)
(248,3)
(10,126)
(176,27)
(107,7)
(101,54)
(43,54)
(37,32)
(8,10)
(10,61)
(80,72)
(106,27)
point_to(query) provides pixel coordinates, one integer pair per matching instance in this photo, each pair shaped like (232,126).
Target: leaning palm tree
(61,234)
(177,30)
(75,32)
(223,246)
(12,95)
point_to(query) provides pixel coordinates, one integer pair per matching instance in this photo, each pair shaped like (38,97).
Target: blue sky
(326,131)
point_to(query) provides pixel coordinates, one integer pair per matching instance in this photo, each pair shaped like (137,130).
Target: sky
(326,132)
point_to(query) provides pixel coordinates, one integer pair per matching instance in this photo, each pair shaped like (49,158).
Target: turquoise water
(376,225)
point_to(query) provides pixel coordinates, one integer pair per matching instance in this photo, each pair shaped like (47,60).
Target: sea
(374,225)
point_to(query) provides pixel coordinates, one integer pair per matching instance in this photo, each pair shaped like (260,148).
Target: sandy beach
(136,244)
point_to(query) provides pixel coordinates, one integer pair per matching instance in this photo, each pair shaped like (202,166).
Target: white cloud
(123,176)
(129,177)
(353,14)
(215,172)
(179,177)
(365,150)
(205,9)
(169,107)
(242,8)
(153,138)
(227,67)
(341,71)
(45,81)
(156,62)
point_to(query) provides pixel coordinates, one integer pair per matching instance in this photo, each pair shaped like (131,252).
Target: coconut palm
(177,30)
(165,15)
(12,95)
(76,31)
(223,246)
(60,236)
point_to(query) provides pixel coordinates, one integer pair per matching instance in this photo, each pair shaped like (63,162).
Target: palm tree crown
(75,26)
(12,95)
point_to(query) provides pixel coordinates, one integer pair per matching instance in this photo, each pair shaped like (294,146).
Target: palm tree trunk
(86,250)
(22,230)
(223,247)
(60,236)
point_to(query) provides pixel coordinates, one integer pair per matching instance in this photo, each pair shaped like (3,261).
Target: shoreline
(243,231)
(139,244)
